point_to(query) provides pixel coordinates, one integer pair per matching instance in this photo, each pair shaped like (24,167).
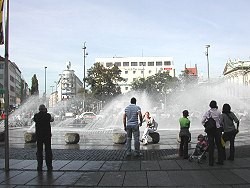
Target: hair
(213,104)
(185,113)
(226,108)
(133,100)
(42,108)
(200,136)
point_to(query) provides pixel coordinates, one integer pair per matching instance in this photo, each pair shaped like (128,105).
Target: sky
(52,32)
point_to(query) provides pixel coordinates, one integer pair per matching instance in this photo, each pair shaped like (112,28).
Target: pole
(207,46)
(84,56)
(45,82)
(6,85)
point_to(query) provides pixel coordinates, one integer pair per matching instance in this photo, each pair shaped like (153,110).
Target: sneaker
(49,169)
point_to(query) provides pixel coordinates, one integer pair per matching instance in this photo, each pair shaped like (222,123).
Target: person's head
(200,137)
(213,104)
(42,108)
(147,114)
(133,100)
(185,113)
(226,108)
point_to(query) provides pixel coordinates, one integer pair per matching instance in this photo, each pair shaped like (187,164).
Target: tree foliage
(34,85)
(103,82)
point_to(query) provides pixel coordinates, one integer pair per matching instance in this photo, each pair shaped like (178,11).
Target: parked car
(85,117)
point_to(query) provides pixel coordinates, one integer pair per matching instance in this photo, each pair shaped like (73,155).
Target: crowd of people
(224,130)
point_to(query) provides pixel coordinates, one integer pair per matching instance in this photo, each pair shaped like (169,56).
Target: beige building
(138,67)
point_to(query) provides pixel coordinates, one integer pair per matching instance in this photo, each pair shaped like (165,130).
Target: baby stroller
(200,150)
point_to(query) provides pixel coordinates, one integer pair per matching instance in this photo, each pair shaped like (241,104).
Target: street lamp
(84,57)
(206,53)
(45,82)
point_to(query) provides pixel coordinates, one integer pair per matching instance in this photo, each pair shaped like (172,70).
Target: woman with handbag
(227,121)
(214,137)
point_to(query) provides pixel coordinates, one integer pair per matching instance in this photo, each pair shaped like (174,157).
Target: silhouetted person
(227,121)
(43,134)
(131,125)
(215,136)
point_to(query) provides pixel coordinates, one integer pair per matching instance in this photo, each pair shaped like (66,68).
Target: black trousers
(215,138)
(48,152)
(183,150)
(229,136)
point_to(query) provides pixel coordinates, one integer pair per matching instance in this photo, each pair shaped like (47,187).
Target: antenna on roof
(142,52)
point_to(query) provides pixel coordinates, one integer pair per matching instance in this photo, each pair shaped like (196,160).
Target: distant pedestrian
(43,134)
(184,134)
(214,137)
(227,121)
(131,126)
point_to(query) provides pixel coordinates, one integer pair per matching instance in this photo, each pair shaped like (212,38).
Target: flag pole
(6,86)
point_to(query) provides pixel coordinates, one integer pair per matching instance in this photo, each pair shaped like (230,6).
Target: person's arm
(124,121)
(140,118)
(204,118)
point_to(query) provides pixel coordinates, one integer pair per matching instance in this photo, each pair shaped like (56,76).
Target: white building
(138,67)
(69,86)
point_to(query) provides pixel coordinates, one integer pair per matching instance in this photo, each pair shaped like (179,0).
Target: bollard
(72,138)
(30,137)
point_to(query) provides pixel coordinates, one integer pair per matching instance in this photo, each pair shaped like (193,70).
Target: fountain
(195,99)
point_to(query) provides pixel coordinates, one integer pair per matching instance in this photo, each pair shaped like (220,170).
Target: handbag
(210,125)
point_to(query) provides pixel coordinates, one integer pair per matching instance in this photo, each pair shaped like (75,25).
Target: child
(184,134)
(201,145)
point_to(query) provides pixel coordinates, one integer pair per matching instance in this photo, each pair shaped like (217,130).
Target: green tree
(34,86)
(103,82)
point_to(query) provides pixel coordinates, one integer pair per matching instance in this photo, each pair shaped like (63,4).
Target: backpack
(210,125)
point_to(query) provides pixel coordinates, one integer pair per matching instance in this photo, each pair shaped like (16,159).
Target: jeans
(215,138)
(229,136)
(146,132)
(136,133)
(183,151)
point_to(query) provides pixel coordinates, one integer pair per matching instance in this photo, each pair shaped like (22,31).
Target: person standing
(214,137)
(131,126)
(227,121)
(42,121)
(150,127)
(184,134)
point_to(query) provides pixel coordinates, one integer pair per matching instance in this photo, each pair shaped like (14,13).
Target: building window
(1,66)
(118,64)
(1,76)
(134,72)
(167,62)
(142,72)
(149,71)
(158,63)
(109,64)
(126,72)
(134,63)
(126,79)
(12,78)
(151,63)
(126,88)
(12,88)
(142,63)
(134,79)
(125,64)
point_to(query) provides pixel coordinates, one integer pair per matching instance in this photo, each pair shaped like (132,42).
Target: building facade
(133,68)
(67,87)
(15,83)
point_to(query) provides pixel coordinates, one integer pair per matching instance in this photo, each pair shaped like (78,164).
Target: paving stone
(131,166)
(21,178)
(68,178)
(242,173)
(45,178)
(159,178)
(89,179)
(204,177)
(135,179)
(22,164)
(111,166)
(92,166)
(228,177)
(74,165)
(150,165)
(58,164)
(4,176)
(169,165)
(181,178)
(111,179)
(185,164)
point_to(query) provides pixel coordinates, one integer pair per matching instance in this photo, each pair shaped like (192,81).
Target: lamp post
(84,57)
(207,46)
(45,82)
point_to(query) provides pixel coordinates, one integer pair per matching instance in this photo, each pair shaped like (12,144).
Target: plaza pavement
(97,162)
